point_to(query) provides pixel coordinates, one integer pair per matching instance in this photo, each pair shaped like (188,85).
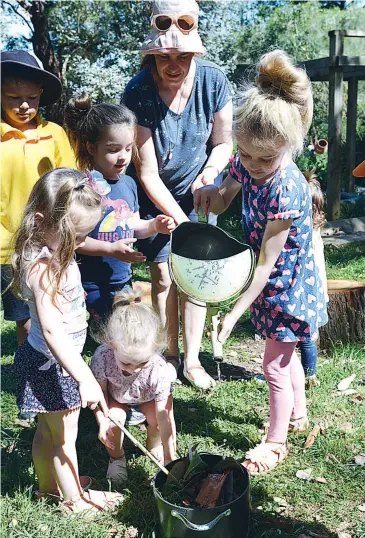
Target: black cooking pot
(230,520)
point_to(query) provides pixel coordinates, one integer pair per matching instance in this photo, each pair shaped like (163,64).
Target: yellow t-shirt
(24,158)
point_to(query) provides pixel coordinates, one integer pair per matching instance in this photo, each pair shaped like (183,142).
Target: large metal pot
(209,265)
(227,521)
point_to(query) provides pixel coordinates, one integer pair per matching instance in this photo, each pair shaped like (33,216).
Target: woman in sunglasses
(184,114)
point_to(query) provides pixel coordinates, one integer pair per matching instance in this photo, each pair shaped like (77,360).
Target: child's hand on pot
(164,224)
(206,197)
(227,325)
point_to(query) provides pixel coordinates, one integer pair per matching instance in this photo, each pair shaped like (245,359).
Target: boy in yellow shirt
(30,147)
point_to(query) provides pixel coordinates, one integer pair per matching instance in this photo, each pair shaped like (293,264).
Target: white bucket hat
(174,14)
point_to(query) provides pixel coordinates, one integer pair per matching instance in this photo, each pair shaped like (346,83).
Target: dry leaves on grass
(312,435)
(320,479)
(304,474)
(357,399)
(345,383)
(280,501)
(360,459)
(343,535)
(347,427)
(346,392)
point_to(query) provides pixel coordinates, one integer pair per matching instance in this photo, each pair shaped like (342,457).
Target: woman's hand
(124,253)
(207,177)
(92,396)
(227,325)
(164,224)
(106,434)
(206,197)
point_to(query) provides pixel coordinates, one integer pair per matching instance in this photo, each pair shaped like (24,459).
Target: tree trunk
(346,313)
(42,46)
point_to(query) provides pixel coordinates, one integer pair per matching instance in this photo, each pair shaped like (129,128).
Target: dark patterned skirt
(42,391)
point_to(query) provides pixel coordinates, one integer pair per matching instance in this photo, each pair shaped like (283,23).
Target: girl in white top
(52,378)
(131,371)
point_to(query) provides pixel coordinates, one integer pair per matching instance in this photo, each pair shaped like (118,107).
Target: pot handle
(200,528)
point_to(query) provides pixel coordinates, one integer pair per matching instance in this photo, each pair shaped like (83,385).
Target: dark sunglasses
(185,23)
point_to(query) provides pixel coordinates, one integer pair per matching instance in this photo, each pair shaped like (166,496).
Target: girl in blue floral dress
(286,297)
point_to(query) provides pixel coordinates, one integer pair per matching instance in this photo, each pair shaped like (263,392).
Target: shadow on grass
(8,339)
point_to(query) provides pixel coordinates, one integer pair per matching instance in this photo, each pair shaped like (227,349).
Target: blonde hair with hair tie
(134,329)
(57,197)
(277,109)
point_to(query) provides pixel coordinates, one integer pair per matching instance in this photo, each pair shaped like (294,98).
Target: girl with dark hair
(103,138)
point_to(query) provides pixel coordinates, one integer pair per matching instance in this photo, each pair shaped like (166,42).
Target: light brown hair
(277,109)
(134,329)
(318,215)
(56,196)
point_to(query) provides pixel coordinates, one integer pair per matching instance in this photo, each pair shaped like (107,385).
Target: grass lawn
(227,421)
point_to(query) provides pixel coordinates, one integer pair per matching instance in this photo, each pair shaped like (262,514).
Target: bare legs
(22,330)
(55,461)
(166,301)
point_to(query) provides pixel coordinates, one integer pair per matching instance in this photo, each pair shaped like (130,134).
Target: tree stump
(346,313)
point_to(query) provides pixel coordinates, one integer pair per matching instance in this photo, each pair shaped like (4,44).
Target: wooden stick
(143,449)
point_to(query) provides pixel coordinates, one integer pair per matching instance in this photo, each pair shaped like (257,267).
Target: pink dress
(152,383)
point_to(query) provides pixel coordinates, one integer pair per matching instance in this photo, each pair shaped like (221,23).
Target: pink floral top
(152,383)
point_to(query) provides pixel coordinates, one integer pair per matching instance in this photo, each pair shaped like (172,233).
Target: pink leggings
(285,376)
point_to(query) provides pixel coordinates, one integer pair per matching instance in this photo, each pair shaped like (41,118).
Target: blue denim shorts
(99,301)
(157,247)
(14,308)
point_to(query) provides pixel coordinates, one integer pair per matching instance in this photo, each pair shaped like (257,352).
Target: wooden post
(334,126)
(351,133)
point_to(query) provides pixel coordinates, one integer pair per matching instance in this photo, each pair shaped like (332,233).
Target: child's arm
(105,431)
(51,322)
(162,224)
(273,242)
(166,424)
(216,200)
(119,250)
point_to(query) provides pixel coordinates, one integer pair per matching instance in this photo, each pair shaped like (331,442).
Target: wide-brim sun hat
(359,171)
(27,63)
(173,39)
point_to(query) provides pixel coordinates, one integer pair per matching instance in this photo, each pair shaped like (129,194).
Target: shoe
(312,381)
(298,425)
(260,378)
(134,417)
(117,471)
(27,417)
(201,379)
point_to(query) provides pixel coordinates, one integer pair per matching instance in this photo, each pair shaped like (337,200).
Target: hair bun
(278,76)
(126,298)
(82,102)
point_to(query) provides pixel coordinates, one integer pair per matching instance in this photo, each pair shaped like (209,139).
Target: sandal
(201,381)
(265,456)
(92,502)
(85,482)
(298,425)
